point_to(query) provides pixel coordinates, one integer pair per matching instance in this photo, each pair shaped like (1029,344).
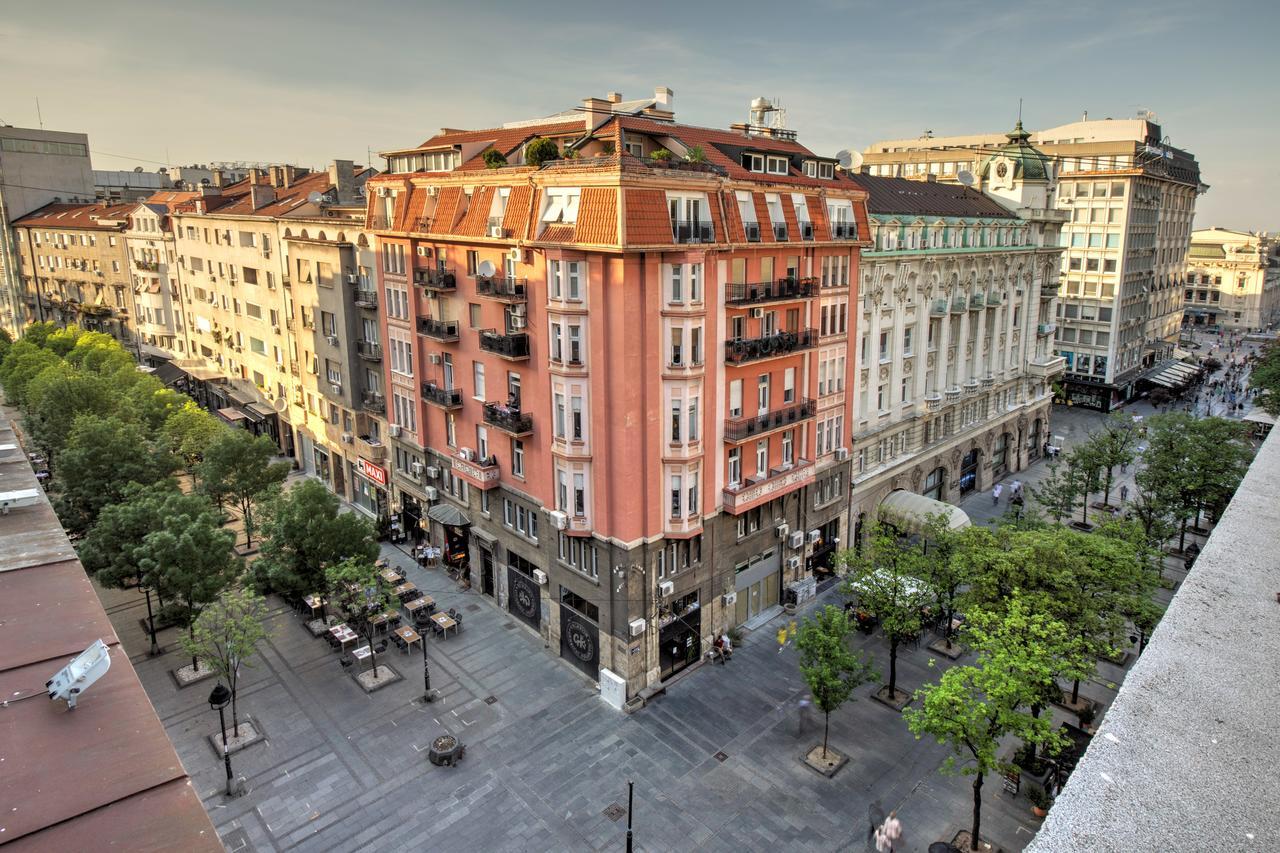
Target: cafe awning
(231,414)
(448,514)
(912,511)
(168,373)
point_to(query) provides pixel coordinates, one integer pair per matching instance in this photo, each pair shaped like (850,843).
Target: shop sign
(372,472)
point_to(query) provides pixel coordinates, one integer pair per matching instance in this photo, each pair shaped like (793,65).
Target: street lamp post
(151,619)
(218,700)
(427,694)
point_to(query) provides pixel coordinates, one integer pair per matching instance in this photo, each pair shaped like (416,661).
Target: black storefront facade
(679,635)
(524,593)
(580,633)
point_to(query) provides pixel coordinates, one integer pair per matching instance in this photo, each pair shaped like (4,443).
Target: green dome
(1028,163)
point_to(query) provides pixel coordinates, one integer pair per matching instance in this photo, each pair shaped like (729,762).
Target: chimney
(218,180)
(663,106)
(664,96)
(592,108)
(342,176)
(260,195)
(291,174)
(207,190)
(255,175)
(615,97)
(276,176)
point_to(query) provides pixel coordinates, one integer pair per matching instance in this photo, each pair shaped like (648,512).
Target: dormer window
(560,205)
(753,162)
(827,171)
(811,168)
(777,165)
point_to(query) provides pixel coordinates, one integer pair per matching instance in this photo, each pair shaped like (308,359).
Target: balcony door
(762,395)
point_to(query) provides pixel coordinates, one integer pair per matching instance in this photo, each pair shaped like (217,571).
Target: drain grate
(489,700)
(614,812)
(721,756)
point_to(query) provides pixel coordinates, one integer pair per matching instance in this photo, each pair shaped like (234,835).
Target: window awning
(907,509)
(1161,379)
(1258,416)
(259,412)
(168,373)
(231,414)
(485,538)
(448,514)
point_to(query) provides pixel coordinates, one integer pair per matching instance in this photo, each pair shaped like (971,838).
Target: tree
(885,577)
(225,636)
(62,341)
(237,466)
(56,397)
(188,431)
(109,551)
(1265,377)
(539,150)
(357,587)
(24,362)
(830,669)
(6,341)
(1115,446)
(942,572)
(1086,461)
(37,334)
(190,556)
(494,159)
(148,401)
(972,708)
(103,456)
(303,531)
(1058,491)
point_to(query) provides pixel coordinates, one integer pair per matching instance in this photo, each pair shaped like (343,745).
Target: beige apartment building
(955,356)
(74,267)
(1131,199)
(1233,280)
(153,271)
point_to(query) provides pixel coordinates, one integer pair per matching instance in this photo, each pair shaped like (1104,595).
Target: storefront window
(364,493)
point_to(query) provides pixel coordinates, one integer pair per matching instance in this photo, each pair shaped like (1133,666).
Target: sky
(307,82)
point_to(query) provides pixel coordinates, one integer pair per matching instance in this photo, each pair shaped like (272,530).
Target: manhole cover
(472,608)
(721,756)
(614,812)
(489,700)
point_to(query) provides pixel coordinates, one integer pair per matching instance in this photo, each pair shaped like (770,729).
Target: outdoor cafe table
(383,617)
(391,576)
(445,621)
(409,635)
(361,653)
(419,603)
(343,634)
(406,587)
(313,601)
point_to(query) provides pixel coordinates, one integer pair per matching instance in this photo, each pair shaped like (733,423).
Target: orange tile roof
(762,217)
(821,225)
(446,215)
(789,216)
(598,216)
(236,200)
(475,222)
(558,232)
(736,232)
(413,210)
(648,220)
(88,216)
(516,219)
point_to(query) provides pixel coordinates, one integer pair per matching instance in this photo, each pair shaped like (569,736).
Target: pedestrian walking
(1124,493)
(883,844)
(995,494)
(893,829)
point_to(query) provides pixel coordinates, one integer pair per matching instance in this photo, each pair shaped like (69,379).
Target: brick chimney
(255,175)
(219,180)
(290,175)
(260,195)
(342,176)
(277,176)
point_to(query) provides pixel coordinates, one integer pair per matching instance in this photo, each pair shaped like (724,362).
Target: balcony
(770,291)
(435,279)
(806,232)
(740,429)
(481,473)
(367,299)
(374,402)
(440,330)
(844,231)
(932,402)
(1047,366)
(371,448)
(753,231)
(445,398)
(780,232)
(959,303)
(502,288)
(1046,329)
(509,420)
(977,302)
(369,351)
(688,231)
(513,346)
(744,350)
(938,308)
(778,482)
(147,266)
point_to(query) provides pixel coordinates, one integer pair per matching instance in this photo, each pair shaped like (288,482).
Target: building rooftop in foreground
(1186,757)
(104,776)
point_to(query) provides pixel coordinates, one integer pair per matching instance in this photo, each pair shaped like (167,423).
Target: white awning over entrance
(909,510)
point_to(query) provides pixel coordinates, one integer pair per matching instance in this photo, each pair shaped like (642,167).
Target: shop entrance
(679,635)
(969,472)
(486,573)
(757,584)
(579,632)
(524,596)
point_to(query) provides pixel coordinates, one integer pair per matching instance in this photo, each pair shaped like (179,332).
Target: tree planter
(1039,812)
(249,733)
(899,700)
(1082,526)
(368,683)
(940,647)
(961,842)
(186,676)
(828,766)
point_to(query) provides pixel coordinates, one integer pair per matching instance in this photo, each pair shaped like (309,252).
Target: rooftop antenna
(39,115)
(1019,110)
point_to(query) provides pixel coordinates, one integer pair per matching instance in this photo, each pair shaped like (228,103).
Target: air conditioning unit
(416,467)
(431,493)
(842,453)
(757,313)
(517,310)
(495,230)
(637,627)
(424,251)
(394,430)
(352,278)
(793,563)
(433,191)
(348,438)
(559,520)
(814,536)
(797,539)
(540,576)
(432,472)
(515,255)
(666,588)
(332,339)
(729,599)
(433,357)
(517,321)
(275,329)
(782,530)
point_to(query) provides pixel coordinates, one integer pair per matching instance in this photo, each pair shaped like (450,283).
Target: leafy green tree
(1193,464)
(150,402)
(98,352)
(303,531)
(188,431)
(539,150)
(109,551)
(6,341)
(972,708)
(237,466)
(1265,376)
(24,362)
(1114,447)
(225,636)
(942,571)
(885,577)
(103,456)
(56,398)
(494,159)
(62,341)
(190,556)
(1059,490)
(1086,461)
(357,587)
(830,669)
(37,334)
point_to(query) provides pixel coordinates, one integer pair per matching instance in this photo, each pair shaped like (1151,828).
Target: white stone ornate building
(1233,279)
(955,361)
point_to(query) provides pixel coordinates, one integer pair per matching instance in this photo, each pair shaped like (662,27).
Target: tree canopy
(304,531)
(237,466)
(225,636)
(828,666)
(102,457)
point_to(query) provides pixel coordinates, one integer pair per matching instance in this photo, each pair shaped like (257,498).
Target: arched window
(320,236)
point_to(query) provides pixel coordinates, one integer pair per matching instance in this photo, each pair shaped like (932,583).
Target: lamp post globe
(219,699)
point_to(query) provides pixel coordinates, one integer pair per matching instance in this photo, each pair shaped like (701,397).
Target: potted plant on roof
(695,154)
(494,159)
(539,150)
(1040,801)
(662,155)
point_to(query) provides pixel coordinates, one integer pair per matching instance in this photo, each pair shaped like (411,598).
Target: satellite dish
(486,268)
(849,159)
(315,197)
(965,177)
